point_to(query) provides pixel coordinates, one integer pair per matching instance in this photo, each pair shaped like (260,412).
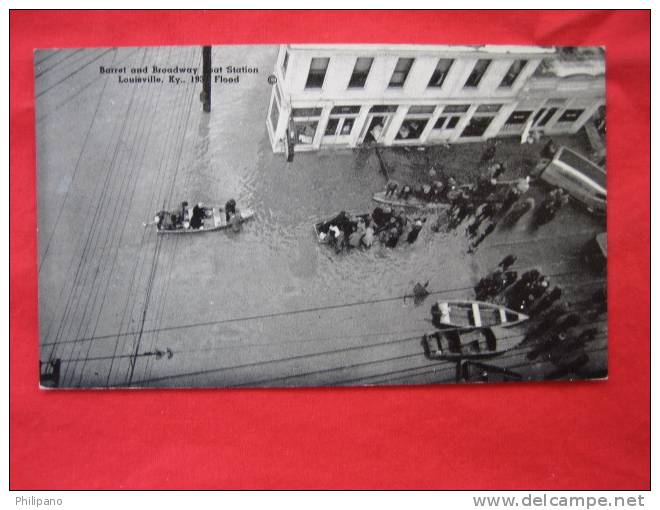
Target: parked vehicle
(582,179)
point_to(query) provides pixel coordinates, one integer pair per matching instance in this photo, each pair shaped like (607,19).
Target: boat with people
(454,344)
(473,314)
(200,218)
(384,225)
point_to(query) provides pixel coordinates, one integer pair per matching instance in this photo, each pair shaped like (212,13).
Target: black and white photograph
(320,215)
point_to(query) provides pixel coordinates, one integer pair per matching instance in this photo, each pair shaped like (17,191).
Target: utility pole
(206,78)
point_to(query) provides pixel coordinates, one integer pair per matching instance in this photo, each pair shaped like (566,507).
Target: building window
(360,72)
(456,108)
(305,122)
(439,124)
(306,112)
(441,72)
(421,109)
(489,108)
(317,70)
(411,129)
(453,121)
(336,110)
(570,115)
(518,117)
(341,121)
(383,108)
(477,73)
(285,63)
(401,71)
(542,117)
(415,122)
(477,126)
(331,127)
(513,73)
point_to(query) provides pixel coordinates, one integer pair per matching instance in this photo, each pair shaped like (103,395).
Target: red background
(591,435)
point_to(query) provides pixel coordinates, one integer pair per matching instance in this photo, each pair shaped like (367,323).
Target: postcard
(321,215)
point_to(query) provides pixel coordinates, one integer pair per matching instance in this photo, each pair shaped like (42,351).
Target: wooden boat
(473,314)
(213,218)
(411,202)
(454,344)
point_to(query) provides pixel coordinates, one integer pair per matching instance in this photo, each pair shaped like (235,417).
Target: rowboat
(411,202)
(213,218)
(473,314)
(454,344)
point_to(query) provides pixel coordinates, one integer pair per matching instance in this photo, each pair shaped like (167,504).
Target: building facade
(346,95)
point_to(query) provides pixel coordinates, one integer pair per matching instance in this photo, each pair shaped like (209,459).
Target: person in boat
(392,237)
(391,187)
(183,215)
(405,193)
(378,216)
(368,238)
(230,209)
(401,219)
(197,216)
(355,238)
(236,222)
(383,219)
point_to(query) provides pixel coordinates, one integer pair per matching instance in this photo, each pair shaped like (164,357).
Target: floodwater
(123,306)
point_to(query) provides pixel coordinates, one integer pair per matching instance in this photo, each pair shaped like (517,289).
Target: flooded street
(121,305)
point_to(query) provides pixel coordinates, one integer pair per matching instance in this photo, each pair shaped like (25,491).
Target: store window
(383,108)
(518,117)
(570,115)
(513,73)
(401,71)
(317,70)
(341,120)
(415,122)
(456,108)
(453,121)
(441,71)
(360,72)
(489,108)
(305,122)
(477,73)
(477,126)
